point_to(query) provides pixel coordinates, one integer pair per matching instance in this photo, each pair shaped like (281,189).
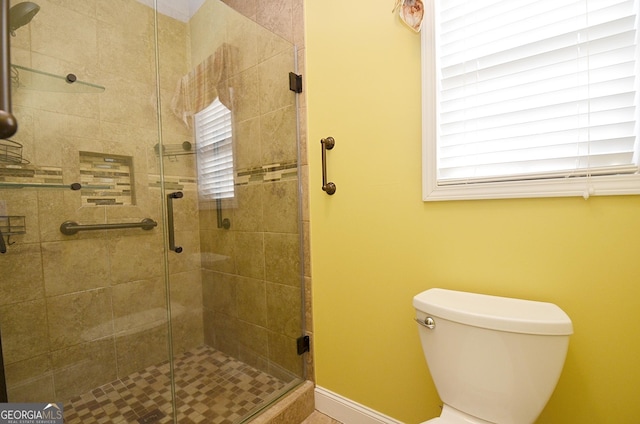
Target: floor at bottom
(211,387)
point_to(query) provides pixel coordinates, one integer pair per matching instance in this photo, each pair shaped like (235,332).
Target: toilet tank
(495,358)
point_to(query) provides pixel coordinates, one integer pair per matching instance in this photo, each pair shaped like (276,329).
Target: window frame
(584,186)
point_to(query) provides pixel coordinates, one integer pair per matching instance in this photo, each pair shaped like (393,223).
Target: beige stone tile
(25,134)
(282,258)
(56,25)
(186,289)
(252,301)
(85,7)
(218,250)
(253,344)
(38,389)
(247,148)
(298,22)
(173,50)
(20,44)
(244,38)
(185,211)
(129,101)
(277,16)
(305,148)
(187,310)
(139,304)
(128,139)
(283,354)
(67,268)
(225,333)
(24,330)
(270,44)
(308,304)
(189,258)
(58,206)
(22,373)
(138,348)
(306,240)
(219,292)
(284,306)
(186,328)
(281,206)
(273,76)
(59,137)
(208,318)
(21,277)
(23,203)
(207,216)
(148,204)
(79,318)
(246,103)
(250,254)
(248,215)
(134,255)
(247,8)
(278,136)
(293,408)
(83,367)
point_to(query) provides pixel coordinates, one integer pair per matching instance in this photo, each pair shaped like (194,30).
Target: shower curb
(293,408)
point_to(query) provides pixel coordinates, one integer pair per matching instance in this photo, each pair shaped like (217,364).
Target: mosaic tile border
(267,173)
(31,174)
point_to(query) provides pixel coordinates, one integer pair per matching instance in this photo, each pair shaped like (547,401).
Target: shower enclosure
(151,265)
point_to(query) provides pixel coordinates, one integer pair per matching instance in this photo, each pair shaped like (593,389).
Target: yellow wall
(375,243)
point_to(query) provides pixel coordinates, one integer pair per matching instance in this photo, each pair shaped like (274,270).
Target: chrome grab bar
(172,239)
(70,228)
(327,144)
(8,122)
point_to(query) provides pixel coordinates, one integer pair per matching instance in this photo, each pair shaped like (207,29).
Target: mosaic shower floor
(211,387)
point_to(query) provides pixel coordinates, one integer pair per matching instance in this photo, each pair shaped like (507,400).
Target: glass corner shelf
(33,79)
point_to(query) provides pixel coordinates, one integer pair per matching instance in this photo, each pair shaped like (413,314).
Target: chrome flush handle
(428,322)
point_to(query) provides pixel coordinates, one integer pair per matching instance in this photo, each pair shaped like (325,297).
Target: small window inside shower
(213,136)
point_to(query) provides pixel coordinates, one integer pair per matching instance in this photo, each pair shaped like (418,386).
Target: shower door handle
(327,144)
(172,240)
(8,122)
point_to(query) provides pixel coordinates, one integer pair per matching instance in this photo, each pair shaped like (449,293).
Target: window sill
(574,187)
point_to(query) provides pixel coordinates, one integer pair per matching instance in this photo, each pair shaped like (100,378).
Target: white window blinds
(535,89)
(213,135)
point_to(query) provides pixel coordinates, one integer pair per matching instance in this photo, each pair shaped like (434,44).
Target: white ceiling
(182,10)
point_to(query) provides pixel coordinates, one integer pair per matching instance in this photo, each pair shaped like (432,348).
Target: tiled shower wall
(83,310)
(286,19)
(50,282)
(252,271)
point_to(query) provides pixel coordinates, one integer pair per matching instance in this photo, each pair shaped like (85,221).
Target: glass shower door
(229,125)
(149,205)
(83,289)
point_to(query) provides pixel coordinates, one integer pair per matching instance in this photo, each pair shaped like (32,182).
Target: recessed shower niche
(110,178)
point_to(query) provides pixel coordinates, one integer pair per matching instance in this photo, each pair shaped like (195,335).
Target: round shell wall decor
(411,12)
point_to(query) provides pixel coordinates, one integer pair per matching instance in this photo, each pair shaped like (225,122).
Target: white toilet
(492,359)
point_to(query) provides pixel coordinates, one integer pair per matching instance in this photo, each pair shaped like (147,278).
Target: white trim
(584,186)
(347,411)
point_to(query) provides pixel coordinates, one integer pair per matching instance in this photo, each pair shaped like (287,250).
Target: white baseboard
(347,411)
